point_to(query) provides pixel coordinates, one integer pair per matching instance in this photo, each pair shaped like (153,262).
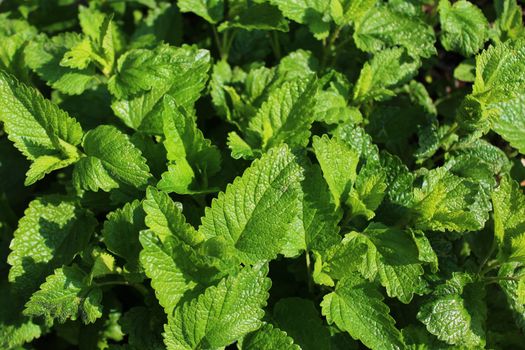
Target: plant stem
(309,273)
(275,45)
(489,280)
(218,41)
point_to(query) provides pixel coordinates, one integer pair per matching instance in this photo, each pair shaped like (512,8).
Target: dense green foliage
(262,174)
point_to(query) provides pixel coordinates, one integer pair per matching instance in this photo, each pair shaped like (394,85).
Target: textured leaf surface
(222,314)
(53,230)
(42,131)
(385,70)
(464,27)
(111,159)
(188,72)
(43,55)
(309,12)
(268,337)
(509,220)
(65,295)
(121,232)
(338,162)
(456,313)
(392,256)
(383,27)
(448,202)
(286,116)
(167,279)
(191,157)
(239,217)
(357,307)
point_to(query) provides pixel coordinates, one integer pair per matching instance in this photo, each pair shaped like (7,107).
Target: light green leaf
(222,314)
(349,11)
(312,13)
(53,230)
(43,55)
(339,163)
(357,307)
(167,278)
(141,69)
(110,159)
(456,312)
(446,202)
(188,72)
(382,27)
(286,116)
(268,337)
(80,55)
(164,217)
(510,19)
(65,295)
(191,157)
(393,257)
(43,132)
(514,290)
(210,10)
(368,191)
(319,218)
(121,232)
(269,188)
(464,28)
(509,220)
(385,70)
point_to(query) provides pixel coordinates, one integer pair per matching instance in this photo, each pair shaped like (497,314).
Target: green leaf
(164,217)
(464,28)
(43,132)
(80,55)
(456,312)
(382,27)
(368,191)
(312,13)
(514,290)
(393,257)
(141,69)
(269,188)
(357,307)
(167,278)
(222,314)
(385,70)
(111,159)
(446,202)
(319,217)
(191,157)
(121,232)
(285,117)
(143,325)
(210,10)
(65,295)
(43,55)
(349,11)
(509,220)
(510,19)
(268,337)
(339,163)
(188,72)
(53,230)
(261,16)
(300,319)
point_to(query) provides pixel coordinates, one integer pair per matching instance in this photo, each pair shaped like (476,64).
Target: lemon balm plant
(266,174)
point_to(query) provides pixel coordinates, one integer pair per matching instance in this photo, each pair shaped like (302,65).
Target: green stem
(276,45)
(489,280)
(218,41)
(309,273)
(328,46)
